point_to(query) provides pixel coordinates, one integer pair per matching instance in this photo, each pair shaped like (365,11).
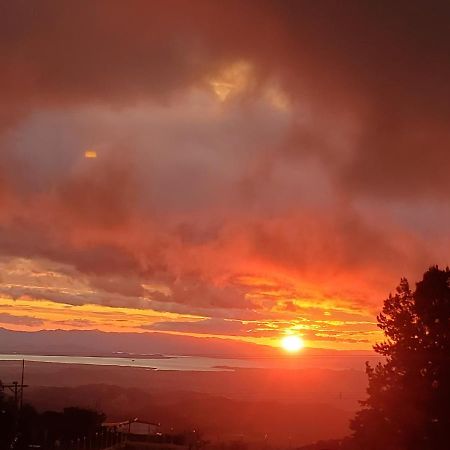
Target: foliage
(70,424)
(408,404)
(7,419)
(19,430)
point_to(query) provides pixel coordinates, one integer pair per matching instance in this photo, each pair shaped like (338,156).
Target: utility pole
(21,384)
(16,388)
(17,391)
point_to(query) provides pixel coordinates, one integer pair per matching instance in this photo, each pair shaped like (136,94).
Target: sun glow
(90,154)
(233,79)
(292,343)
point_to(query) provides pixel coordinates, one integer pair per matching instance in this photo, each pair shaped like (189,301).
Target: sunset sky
(240,169)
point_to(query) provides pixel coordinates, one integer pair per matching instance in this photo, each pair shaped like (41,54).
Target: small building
(134,427)
(141,428)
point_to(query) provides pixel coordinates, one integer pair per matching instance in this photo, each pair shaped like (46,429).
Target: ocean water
(190,363)
(197,363)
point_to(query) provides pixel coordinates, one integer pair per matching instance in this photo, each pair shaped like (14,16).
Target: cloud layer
(260,166)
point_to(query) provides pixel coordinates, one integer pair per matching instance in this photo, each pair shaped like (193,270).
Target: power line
(16,389)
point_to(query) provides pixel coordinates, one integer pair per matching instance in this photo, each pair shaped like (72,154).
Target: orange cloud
(260,168)
(56,315)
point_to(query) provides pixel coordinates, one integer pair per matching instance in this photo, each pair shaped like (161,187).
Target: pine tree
(408,404)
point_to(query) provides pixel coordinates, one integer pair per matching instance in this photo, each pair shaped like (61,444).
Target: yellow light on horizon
(292,343)
(90,154)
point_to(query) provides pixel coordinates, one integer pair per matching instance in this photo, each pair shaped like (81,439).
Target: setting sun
(292,343)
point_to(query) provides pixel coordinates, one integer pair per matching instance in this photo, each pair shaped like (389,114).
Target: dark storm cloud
(29,240)
(384,66)
(368,94)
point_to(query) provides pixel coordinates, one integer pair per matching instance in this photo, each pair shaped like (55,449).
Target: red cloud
(323,174)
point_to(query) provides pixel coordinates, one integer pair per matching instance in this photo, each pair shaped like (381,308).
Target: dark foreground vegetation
(74,429)
(408,404)
(50,429)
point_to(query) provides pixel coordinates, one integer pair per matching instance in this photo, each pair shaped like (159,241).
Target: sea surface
(198,363)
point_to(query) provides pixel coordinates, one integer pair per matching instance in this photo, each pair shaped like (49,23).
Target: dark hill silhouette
(341,388)
(94,342)
(216,416)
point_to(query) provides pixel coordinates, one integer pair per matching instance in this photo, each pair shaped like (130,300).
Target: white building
(136,427)
(143,428)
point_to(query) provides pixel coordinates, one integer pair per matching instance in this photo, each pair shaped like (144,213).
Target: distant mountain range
(94,342)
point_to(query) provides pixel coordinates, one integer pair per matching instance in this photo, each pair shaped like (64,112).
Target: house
(142,428)
(134,427)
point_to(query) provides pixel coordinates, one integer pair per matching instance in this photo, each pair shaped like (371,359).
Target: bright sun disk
(292,343)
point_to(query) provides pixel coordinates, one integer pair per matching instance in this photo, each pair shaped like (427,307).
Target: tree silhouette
(408,404)
(46,428)
(7,417)
(70,424)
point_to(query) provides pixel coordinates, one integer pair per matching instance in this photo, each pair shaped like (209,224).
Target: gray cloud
(332,190)
(20,320)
